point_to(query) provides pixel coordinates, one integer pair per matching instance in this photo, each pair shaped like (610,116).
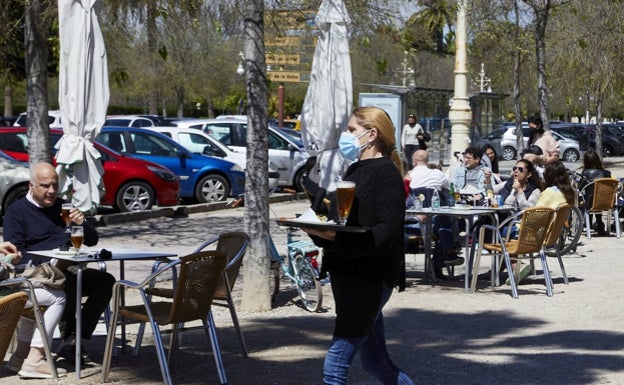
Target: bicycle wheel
(571,233)
(308,285)
(274,278)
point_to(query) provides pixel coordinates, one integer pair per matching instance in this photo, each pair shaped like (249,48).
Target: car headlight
(163,173)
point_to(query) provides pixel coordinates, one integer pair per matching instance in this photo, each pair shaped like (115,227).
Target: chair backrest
(233,244)
(11,307)
(199,275)
(428,194)
(554,232)
(534,229)
(604,192)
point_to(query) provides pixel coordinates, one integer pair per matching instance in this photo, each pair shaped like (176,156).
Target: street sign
(284,59)
(290,41)
(284,76)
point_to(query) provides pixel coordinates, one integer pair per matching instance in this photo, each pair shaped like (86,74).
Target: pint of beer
(77,235)
(345,192)
(65,214)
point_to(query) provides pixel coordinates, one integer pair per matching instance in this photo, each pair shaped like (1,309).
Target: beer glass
(345,192)
(77,235)
(65,215)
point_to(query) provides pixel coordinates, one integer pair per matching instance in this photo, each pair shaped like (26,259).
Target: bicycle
(299,265)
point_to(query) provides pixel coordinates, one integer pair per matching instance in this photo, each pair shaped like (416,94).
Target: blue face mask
(349,145)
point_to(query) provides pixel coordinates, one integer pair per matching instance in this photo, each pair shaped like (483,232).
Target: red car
(131,184)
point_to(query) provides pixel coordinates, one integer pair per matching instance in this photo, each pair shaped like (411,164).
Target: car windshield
(147,144)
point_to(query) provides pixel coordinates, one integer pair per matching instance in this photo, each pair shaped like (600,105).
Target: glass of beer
(345,192)
(65,215)
(77,235)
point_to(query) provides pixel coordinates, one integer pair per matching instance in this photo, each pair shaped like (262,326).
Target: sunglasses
(521,169)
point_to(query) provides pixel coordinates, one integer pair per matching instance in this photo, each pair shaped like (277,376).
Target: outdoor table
(468,214)
(86,256)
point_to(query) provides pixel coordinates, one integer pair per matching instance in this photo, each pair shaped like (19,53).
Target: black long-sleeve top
(32,228)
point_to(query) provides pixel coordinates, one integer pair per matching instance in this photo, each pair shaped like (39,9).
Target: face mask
(349,145)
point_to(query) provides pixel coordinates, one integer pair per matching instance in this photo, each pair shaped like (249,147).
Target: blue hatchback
(202,178)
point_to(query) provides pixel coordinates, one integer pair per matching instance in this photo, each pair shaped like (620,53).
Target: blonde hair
(374,117)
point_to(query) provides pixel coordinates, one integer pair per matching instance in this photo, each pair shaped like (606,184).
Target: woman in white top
(410,138)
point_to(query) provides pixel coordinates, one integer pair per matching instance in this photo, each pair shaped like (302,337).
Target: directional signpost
(290,43)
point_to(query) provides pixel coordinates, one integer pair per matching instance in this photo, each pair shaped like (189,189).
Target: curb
(180,211)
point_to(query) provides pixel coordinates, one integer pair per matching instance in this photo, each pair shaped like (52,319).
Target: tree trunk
(599,124)
(180,100)
(516,81)
(36,36)
(152,46)
(256,295)
(8,99)
(541,19)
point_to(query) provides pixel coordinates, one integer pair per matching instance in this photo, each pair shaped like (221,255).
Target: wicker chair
(604,197)
(233,244)
(34,311)
(533,226)
(11,308)
(195,287)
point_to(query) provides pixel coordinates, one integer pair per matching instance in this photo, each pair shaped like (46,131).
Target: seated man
(34,223)
(472,178)
(424,176)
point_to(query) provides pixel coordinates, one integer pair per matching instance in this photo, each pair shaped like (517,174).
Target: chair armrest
(150,278)
(206,243)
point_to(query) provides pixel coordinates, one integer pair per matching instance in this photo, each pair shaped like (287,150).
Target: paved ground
(436,332)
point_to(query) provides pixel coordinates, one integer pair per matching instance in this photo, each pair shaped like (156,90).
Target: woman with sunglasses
(524,188)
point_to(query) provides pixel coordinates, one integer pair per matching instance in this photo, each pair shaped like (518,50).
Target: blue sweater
(30,227)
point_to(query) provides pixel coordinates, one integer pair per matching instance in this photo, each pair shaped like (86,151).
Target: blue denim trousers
(373,353)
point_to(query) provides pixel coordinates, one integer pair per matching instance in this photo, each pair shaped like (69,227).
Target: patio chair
(233,244)
(195,287)
(11,308)
(554,233)
(603,193)
(32,310)
(533,226)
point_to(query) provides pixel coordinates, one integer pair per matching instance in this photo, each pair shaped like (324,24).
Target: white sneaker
(40,369)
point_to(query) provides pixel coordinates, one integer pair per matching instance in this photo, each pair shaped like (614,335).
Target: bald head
(43,184)
(420,158)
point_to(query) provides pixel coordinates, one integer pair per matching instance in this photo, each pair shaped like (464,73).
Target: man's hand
(76,216)
(325,234)
(9,250)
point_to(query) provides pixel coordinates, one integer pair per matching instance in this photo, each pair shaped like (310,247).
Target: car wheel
(509,153)
(607,151)
(298,181)
(571,155)
(14,195)
(212,188)
(135,196)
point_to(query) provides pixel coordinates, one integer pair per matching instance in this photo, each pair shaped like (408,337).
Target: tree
(436,16)
(256,296)
(541,10)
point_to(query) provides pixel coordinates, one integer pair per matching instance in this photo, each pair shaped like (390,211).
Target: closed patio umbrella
(83,100)
(328,102)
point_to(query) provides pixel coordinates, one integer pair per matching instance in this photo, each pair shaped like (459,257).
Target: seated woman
(492,156)
(593,168)
(558,189)
(523,189)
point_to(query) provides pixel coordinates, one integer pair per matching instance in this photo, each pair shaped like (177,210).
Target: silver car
(14,178)
(504,142)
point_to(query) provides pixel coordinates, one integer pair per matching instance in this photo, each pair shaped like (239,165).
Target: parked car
(54,119)
(504,141)
(285,151)
(130,184)
(611,145)
(128,121)
(202,178)
(201,143)
(14,179)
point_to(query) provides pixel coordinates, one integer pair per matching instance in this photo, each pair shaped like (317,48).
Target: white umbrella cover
(328,102)
(83,100)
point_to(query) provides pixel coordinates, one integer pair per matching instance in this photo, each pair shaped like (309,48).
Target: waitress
(365,267)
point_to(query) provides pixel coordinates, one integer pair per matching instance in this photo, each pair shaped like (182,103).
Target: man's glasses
(521,169)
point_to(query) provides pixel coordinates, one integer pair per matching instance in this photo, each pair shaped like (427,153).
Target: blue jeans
(373,353)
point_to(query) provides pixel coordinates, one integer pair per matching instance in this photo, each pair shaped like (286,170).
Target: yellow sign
(284,41)
(276,58)
(284,76)
(290,19)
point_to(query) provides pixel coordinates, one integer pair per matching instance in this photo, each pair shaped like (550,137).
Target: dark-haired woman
(524,188)
(593,168)
(558,188)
